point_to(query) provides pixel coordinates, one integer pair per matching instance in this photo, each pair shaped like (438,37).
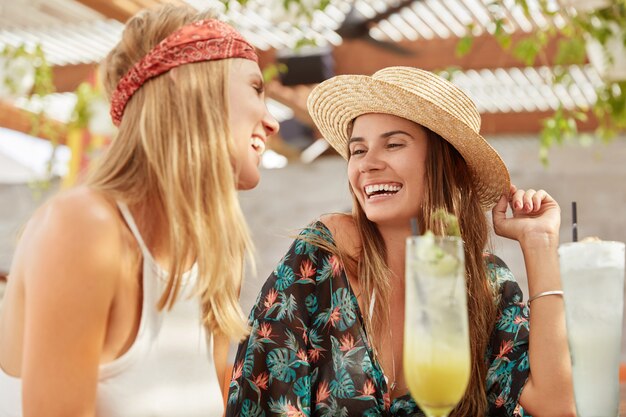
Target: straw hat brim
(336,102)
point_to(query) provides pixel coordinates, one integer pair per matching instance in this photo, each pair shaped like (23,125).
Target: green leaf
(303,247)
(251,409)
(326,271)
(464,46)
(342,298)
(279,406)
(324,4)
(291,342)
(302,387)
(302,42)
(284,277)
(526,50)
(581,115)
(311,303)
(234,393)
(254,387)
(248,362)
(279,362)
(524,5)
(272,71)
(288,306)
(315,339)
(342,386)
(571,51)
(502,37)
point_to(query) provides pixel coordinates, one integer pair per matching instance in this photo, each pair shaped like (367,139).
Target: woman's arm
(69,259)
(535,225)
(221,345)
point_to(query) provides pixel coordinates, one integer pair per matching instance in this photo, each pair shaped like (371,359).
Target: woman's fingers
(528,200)
(499,210)
(538,198)
(517,201)
(498,214)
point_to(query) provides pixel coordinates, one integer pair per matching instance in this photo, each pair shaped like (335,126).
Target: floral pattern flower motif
(308,354)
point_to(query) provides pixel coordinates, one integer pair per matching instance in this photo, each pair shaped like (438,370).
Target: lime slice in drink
(434,260)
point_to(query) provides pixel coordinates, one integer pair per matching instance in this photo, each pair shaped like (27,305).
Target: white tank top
(168,371)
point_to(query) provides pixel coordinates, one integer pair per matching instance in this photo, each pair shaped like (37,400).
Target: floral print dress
(308,354)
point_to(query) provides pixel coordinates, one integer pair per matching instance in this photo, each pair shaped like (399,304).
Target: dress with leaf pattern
(308,354)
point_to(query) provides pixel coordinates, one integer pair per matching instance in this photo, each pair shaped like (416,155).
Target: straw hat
(419,96)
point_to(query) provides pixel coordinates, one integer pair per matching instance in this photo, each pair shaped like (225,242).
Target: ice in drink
(592,275)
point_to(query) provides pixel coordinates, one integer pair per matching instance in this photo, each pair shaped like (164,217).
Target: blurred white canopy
(24,158)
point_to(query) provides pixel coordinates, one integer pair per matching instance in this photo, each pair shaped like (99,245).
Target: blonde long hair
(174,150)
(448,185)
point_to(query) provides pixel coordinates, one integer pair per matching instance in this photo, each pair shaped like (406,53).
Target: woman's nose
(371,161)
(270,124)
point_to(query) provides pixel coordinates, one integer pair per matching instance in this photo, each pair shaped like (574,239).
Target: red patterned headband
(204,40)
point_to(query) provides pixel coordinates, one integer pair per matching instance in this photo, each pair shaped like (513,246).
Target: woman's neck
(395,243)
(150,220)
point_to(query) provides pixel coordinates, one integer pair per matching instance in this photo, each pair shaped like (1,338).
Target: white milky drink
(592,274)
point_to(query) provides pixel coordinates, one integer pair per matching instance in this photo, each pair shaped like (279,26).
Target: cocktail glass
(592,275)
(436,337)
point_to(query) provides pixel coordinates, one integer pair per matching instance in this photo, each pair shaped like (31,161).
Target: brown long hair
(448,185)
(173,150)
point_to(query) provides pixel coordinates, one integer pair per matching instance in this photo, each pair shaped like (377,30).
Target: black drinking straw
(414,226)
(574,223)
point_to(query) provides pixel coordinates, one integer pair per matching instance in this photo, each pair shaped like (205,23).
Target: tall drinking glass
(436,337)
(592,275)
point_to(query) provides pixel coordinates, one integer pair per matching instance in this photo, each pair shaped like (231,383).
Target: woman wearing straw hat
(85,329)
(327,328)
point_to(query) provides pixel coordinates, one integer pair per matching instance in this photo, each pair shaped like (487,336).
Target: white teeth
(370,189)
(258,145)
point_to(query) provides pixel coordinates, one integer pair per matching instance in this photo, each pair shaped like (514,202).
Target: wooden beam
(524,123)
(360,57)
(66,78)
(23,121)
(122,10)
(112,9)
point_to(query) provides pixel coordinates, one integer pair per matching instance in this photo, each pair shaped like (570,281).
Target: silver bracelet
(543,294)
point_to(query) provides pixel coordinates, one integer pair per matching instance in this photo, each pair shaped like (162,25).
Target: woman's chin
(248,183)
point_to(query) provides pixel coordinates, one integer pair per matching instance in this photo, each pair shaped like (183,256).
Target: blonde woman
(157,226)
(328,327)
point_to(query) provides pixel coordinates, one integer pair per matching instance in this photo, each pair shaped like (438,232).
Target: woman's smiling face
(387,166)
(250,122)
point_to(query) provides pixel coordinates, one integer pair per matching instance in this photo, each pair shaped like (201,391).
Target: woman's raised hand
(536,217)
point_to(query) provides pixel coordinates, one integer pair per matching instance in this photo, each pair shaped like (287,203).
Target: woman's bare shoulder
(78,230)
(79,209)
(344,230)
